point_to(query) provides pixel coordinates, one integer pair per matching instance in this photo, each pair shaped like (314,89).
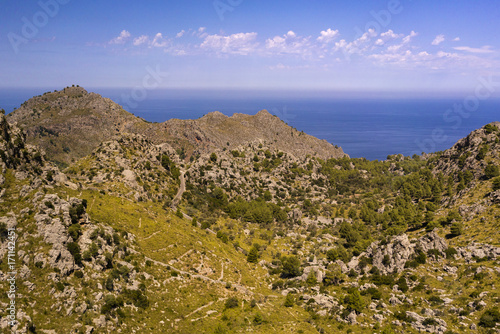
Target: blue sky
(423,47)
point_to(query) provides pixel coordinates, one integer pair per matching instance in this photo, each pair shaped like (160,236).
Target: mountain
(246,237)
(215,130)
(70,123)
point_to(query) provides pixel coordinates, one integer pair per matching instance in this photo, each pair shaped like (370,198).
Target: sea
(365,127)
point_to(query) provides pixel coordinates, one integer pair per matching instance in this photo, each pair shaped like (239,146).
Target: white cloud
(389,34)
(201,32)
(141,40)
(180,33)
(124,36)
(408,38)
(359,45)
(241,43)
(328,35)
(159,41)
(340,45)
(289,43)
(484,49)
(438,40)
(394,48)
(456,39)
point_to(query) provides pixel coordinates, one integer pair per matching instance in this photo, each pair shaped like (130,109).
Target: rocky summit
(111,224)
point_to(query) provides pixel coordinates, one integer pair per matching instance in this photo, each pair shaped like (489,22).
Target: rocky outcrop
(399,250)
(432,241)
(470,153)
(478,251)
(392,256)
(429,325)
(54,231)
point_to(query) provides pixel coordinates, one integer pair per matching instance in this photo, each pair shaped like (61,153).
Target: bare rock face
(398,251)
(394,255)
(432,241)
(429,325)
(495,197)
(476,250)
(54,231)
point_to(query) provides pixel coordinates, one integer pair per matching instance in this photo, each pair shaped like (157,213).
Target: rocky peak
(264,114)
(214,115)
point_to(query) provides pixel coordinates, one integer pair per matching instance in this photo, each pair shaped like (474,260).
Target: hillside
(264,239)
(70,123)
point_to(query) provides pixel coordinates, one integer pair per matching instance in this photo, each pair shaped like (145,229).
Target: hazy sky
(419,46)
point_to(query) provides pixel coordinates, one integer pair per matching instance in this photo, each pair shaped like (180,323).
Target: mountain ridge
(70,123)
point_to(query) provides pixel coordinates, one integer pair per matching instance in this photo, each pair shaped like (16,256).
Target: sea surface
(372,128)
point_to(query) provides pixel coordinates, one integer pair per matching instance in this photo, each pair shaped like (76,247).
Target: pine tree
(311,278)
(289,300)
(253,255)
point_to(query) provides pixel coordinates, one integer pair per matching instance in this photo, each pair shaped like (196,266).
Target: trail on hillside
(181,191)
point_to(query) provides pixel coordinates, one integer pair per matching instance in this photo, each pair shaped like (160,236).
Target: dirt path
(181,191)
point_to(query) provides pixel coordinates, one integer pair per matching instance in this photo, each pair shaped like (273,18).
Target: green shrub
(76,211)
(496,183)
(110,303)
(231,302)
(482,152)
(435,300)
(311,278)
(253,255)
(60,286)
(353,301)
(137,298)
(379,280)
(430,322)
(108,284)
(75,230)
(258,319)
(490,128)
(450,252)
(491,171)
(456,229)
(290,267)
(289,300)
(375,293)
(79,274)
(402,284)
(489,318)
(74,249)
